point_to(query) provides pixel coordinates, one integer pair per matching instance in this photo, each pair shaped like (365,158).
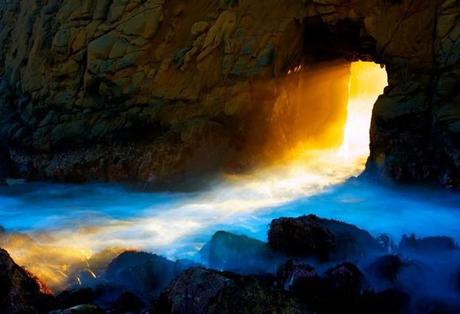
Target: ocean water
(51,227)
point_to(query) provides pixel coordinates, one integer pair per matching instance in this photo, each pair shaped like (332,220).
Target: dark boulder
(143,273)
(192,291)
(303,236)
(427,244)
(294,274)
(241,254)
(386,267)
(199,290)
(345,278)
(310,236)
(71,298)
(128,303)
(20,292)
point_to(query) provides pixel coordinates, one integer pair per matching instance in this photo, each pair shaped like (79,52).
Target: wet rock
(304,236)
(241,254)
(20,292)
(143,273)
(192,291)
(297,275)
(387,267)
(427,245)
(200,290)
(312,236)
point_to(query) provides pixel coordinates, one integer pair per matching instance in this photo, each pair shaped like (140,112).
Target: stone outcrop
(155,90)
(311,236)
(20,292)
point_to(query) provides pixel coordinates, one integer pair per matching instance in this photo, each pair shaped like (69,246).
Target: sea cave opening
(321,120)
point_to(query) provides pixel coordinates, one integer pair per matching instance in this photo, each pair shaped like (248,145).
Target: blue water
(178,224)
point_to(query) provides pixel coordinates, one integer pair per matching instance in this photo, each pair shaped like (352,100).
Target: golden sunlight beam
(59,257)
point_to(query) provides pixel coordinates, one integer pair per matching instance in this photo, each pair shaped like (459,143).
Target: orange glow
(329,154)
(367,82)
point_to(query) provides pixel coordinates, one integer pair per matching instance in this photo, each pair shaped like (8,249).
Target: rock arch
(150,90)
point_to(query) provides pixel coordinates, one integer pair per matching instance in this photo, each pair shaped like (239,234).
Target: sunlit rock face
(155,90)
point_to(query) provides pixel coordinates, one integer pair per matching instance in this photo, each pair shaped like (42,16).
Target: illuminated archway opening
(367,81)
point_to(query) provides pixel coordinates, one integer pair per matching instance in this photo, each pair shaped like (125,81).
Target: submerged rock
(20,292)
(241,254)
(310,236)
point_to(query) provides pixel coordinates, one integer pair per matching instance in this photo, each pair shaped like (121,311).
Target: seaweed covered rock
(311,236)
(20,292)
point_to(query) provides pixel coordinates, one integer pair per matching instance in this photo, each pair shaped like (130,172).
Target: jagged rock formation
(152,90)
(20,292)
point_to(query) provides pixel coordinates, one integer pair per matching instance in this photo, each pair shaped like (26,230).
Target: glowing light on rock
(59,256)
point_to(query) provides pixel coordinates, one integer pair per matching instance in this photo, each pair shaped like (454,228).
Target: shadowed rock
(386,267)
(345,279)
(128,303)
(241,254)
(310,236)
(427,244)
(71,298)
(109,90)
(199,290)
(297,275)
(144,273)
(20,292)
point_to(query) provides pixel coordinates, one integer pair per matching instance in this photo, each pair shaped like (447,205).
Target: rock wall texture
(150,90)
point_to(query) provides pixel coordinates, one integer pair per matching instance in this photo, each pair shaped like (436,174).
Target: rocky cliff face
(151,90)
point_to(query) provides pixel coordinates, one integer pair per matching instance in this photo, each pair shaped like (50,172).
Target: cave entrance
(326,108)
